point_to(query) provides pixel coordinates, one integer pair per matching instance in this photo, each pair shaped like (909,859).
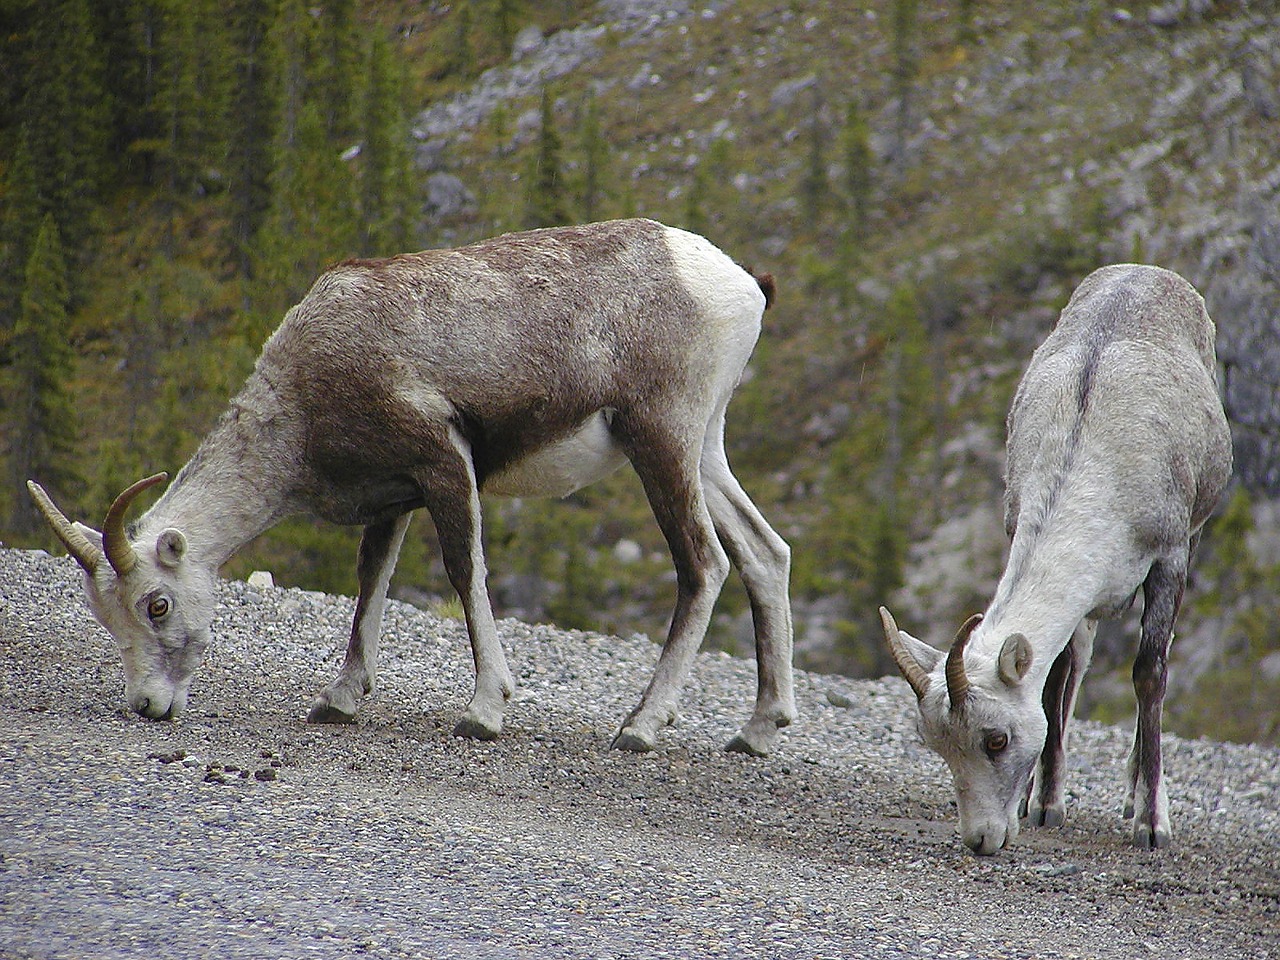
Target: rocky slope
(1040,142)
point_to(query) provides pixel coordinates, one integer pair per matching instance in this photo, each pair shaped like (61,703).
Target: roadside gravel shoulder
(242,831)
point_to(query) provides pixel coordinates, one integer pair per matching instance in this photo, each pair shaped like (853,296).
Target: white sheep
(1118,449)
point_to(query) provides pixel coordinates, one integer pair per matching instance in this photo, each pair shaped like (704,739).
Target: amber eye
(996,742)
(158,607)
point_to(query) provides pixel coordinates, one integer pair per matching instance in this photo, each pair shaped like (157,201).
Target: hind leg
(379,549)
(1148,801)
(1046,805)
(763,560)
(668,468)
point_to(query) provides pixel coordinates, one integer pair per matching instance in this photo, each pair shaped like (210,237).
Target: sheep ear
(1015,659)
(171,546)
(90,534)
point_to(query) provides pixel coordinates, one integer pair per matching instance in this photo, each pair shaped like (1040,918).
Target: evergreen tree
(20,217)
(708,188)
(41,414)
(189,105)
(458,58)
(66,120)
(595,158)
(386,180)
(858,171)
(544,197)
(966,34)
(125,31)
(905,67)
(311,219)
(337,67)
(254,111)
(695,200)
(505,17)
(815,189)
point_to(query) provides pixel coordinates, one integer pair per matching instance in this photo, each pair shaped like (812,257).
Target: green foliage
(20,218)
(855,142)
(814,188)
(906,67)
(594,151)
(65,122)
(545,204)
(41,417)
(386,174)
(255,101)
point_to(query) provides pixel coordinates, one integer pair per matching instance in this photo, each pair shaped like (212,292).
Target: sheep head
(155,603)
(983,719)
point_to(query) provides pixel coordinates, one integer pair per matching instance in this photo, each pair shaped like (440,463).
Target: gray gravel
(243,832)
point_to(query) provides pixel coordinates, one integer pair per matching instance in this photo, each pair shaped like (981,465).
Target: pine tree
(905,67)
(386,179)
(505,16)
(337,67)
(254,112)
(966,34)
(20,217)
(815,189)
(458,58)
(312,217)
(188,109)
(594,150)
(41,414)
(544,197)
(66,120)
(858,171)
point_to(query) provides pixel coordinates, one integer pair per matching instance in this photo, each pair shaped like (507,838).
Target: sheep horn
(911,671)
(115,542)
(77,544)
(957,680)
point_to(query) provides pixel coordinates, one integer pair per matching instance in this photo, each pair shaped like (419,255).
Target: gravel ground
(241,831)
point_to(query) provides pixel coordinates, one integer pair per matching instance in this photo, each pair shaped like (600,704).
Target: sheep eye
(996,742)
(158,607)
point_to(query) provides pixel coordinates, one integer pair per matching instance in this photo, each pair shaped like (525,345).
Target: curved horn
(957,681)
(77,544)
(911,671)
(115,542)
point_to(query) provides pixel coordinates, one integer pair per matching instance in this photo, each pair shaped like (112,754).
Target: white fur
(585,456)
(724,293)
(1118,448)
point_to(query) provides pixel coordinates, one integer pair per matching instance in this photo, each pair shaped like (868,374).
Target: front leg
(1046,804)
(1148,802)
(379,550)
(454,502)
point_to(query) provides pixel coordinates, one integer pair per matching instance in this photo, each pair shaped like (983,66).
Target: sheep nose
(984,844)
(143,709)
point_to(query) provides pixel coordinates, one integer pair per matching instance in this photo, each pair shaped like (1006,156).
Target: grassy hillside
(927,196)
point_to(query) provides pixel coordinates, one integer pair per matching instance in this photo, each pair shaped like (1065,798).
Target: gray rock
(448,196)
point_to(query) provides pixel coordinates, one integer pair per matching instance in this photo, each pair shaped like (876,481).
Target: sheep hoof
(740,744)
(630,739)
(472,727)
(1054,815)
(1145,837)
(327,713)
